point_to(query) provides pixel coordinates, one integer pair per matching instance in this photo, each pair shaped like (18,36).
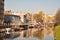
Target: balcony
(2,8)
(1,16)
(1,11)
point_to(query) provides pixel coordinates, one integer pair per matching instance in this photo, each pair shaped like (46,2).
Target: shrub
(57,32)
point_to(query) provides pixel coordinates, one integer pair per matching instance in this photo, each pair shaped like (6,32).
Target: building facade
(1,11)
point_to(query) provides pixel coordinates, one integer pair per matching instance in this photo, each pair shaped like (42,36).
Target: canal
(48,37)
(38,35)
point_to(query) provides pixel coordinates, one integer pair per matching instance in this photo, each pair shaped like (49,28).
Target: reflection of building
(1,11)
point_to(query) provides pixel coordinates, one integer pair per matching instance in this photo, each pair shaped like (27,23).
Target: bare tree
(57,17)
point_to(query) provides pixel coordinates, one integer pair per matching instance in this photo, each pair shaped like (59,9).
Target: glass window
(1,0)
(1,6)
(1,11)
(12,19)
(25,19)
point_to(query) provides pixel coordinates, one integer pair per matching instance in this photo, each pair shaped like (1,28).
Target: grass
(57,32)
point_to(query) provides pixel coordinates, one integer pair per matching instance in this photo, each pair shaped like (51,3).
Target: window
(0,0)
(25,19)
(1,6)
(1,11)
(12,19)
(3,0)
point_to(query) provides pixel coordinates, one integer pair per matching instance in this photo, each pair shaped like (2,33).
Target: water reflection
(18,38)
(37,35)
(48,37)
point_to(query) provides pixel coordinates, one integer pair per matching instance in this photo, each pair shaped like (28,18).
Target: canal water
(23,38)
(38,35)
(47,37)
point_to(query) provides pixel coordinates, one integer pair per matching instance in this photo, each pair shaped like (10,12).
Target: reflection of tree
(2,35)
(38,34)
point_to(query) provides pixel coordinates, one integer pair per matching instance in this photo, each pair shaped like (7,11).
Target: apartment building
(1,11)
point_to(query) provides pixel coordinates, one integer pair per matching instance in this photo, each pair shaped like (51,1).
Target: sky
(47,6)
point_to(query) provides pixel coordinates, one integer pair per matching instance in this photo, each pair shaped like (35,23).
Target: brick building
(1,11)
